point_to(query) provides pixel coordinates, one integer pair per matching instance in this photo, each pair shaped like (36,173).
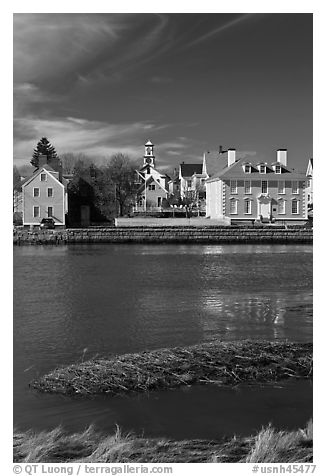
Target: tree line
(109,188)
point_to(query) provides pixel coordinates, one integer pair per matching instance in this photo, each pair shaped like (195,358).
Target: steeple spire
(149,158)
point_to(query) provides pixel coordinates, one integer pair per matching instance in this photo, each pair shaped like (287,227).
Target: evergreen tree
(43,147)
(16,179)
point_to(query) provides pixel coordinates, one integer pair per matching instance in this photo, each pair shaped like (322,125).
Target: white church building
(153,187)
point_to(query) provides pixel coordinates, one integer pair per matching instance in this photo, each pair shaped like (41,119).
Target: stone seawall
(232,234)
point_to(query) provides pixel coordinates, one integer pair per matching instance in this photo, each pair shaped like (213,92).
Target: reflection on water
(112,299)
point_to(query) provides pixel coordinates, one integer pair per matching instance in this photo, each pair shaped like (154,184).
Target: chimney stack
(231,157)
(281,156)
(42,160)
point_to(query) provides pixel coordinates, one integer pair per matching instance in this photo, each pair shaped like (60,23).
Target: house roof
(144,167)
(148,181)
(187,170)
(215,163)
(46,168)
(236,171)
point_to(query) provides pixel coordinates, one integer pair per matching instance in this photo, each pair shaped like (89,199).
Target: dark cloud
(242,80)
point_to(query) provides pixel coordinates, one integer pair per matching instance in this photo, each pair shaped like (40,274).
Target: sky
(106,83)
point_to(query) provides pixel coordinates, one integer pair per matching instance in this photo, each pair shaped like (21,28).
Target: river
(74,302)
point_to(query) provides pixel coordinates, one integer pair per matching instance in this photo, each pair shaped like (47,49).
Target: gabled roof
(187,170)
(48,167)
(236,171)
(215,163)
(144,167)
(37,172)
(149,181)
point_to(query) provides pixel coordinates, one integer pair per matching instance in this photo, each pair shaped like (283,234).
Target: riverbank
(90,446)
(185,234)
(222,363)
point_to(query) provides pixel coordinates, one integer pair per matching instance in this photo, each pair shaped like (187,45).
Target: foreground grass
(225,363)
(269,446)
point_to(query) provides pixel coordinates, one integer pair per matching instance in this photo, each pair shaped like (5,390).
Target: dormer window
(278,169)
(262,169)
(247,168)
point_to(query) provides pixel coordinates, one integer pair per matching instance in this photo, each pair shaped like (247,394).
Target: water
(81,300)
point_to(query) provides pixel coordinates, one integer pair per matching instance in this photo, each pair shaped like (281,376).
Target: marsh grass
(223,363)
(272,446)
(269,446)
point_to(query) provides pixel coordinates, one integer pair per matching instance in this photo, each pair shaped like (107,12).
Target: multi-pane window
(188,183)
(281,186)
(281,207)
(43,177)
(50,192)
(262,169)
(295,187)
(151,187)
(233,186)
(247,207)
(278,169)
(50,211)
(36,212)
(247,169)
(295,207)
(247,186)
(264,186)
(36,192)
(233,207)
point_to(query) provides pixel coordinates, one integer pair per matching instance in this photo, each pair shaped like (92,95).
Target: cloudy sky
(106,83)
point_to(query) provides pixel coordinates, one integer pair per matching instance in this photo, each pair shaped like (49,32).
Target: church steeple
(149,158)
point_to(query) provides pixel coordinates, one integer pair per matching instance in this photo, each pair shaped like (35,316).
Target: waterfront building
(309,186)
(153,183)
(45,194)
(190,175)
(250,190)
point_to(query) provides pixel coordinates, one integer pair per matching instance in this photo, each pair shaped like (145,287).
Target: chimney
(281,156)
(220,149)
(42,160)
(60,170)
(231,157)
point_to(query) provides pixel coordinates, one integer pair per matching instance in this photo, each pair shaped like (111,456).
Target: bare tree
(121,171)
(71,161)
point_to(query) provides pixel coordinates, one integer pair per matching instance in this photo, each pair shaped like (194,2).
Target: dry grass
(269,446)
(281,447)
(225,363)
